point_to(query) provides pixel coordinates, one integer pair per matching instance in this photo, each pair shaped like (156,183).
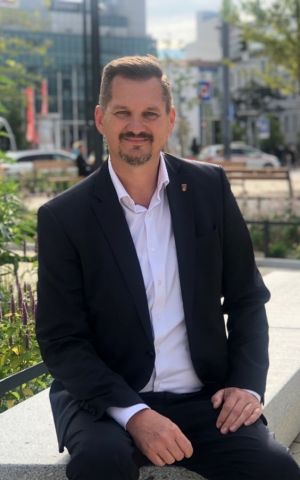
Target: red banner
(31,133)
(44,98)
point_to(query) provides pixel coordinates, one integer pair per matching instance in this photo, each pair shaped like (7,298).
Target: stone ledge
(28,448)
(57,472)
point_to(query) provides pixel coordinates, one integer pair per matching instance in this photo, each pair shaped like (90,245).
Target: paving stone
(28,449)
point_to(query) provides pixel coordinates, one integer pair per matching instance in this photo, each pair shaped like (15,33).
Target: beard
(137,157)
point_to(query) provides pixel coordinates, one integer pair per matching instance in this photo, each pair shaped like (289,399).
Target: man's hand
(158,438)
(239,408)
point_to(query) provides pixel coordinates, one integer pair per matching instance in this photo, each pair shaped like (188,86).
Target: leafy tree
(251,101)
(14,76)
(276,29)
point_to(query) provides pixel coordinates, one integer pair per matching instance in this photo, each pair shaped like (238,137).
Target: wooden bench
(237,170)
(60,174)
(270,173)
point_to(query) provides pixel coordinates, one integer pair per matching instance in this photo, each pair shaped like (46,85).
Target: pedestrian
(83,167)
(195,147)
(133,265)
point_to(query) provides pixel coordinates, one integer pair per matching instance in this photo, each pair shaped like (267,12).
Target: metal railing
(17,379)
(266,225)
(13,381)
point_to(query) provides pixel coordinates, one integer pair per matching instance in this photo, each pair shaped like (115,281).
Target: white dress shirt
(152,234)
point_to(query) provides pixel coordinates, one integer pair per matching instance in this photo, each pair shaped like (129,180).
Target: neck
(139,181)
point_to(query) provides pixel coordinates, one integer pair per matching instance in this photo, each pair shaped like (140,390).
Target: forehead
(129,92)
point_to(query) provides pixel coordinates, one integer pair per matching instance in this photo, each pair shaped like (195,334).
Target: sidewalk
(27,438)
(284,319)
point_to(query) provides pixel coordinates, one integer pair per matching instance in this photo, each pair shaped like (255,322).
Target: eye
(122,113)
(150,115)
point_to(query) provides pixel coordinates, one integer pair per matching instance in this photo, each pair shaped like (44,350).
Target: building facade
(67,66)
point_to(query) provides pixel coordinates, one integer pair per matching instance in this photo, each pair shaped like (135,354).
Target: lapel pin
(184,187)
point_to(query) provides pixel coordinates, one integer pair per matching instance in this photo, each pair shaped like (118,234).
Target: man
(83,168)
(133,264)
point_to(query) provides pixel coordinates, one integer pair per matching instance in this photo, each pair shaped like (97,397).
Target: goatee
(135,159)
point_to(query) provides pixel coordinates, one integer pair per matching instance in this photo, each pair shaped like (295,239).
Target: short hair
(134,68)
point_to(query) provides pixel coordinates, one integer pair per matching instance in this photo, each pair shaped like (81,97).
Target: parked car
(23,161)
(240,152)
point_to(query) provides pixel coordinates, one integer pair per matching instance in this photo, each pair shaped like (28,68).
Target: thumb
(217,398)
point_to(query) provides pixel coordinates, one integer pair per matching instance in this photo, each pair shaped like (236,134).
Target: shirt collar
(124,197)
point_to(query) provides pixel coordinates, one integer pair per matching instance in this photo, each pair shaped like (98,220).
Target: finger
(176,451)
(233,423)
(184,444)
(156,459)
(217,398)
(235,414)
(226,410)
(248,410)
(254,417)
(167,457)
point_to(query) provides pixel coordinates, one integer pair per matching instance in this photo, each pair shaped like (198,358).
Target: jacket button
(151,353)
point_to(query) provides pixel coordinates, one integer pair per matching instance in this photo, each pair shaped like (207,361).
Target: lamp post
(93,68)
(96,75)
(225,79)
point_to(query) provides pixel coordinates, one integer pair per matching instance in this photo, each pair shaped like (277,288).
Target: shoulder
(76,195)
(72,205)
(194,168)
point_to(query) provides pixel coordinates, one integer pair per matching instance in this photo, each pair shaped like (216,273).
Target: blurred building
(253,99)
(207,46)
(122,31)
(198,101)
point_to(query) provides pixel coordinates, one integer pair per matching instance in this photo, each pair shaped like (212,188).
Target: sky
(175,20)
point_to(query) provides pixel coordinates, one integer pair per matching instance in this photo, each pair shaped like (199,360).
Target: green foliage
(284,240)
(277,29)
(238,132)
(17,226)
(19,348)
(14,76)
(276,135)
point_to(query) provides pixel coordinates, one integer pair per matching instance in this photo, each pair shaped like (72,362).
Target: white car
(23,161)
(240,152)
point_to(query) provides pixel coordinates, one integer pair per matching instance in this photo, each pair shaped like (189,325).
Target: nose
(136,124)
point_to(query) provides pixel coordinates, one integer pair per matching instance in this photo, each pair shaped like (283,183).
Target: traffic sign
(205,90)
(263,127)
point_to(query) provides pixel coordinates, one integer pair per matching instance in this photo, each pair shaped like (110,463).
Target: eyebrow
(124,107)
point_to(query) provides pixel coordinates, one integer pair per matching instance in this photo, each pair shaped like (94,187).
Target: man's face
(135,122)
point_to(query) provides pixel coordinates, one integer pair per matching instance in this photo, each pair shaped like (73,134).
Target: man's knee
(109,460)
(274,462)
(281,466)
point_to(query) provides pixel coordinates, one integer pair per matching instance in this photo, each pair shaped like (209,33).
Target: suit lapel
(179,193)
(112,220)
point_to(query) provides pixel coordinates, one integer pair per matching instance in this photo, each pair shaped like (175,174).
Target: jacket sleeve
(244,295)
(62,325)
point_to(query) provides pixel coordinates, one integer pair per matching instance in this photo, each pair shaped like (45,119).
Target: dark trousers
(102,450)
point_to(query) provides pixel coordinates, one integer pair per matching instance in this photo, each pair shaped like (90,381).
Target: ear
(172,118)
(99,114)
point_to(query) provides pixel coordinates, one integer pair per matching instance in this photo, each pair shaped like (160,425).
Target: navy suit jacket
(93,322)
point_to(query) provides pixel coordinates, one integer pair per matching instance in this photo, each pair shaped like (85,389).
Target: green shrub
(19,347)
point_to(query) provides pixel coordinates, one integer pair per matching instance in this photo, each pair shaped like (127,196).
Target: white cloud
(175,20)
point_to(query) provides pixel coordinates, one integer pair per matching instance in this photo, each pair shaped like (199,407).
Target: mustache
(142,135)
